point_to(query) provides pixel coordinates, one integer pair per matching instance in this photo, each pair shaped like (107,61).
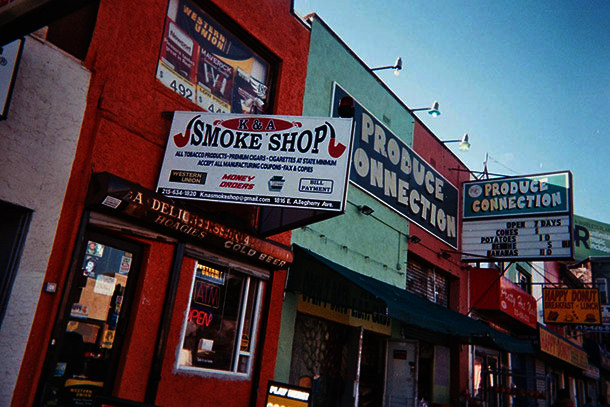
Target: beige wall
(37,145)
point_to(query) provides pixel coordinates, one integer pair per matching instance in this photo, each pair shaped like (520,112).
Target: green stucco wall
(374,245)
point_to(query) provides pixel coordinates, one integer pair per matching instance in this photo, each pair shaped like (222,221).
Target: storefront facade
(147,298)
(566,364)
(505,378)
(360,325)
(335,334)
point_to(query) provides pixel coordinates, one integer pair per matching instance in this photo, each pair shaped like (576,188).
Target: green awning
(321,278)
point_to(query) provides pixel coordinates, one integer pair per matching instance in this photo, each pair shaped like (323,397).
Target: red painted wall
(125,133)
(429,147)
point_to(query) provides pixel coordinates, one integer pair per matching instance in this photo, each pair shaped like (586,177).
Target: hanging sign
(518,218)
(285,161)
(578,306)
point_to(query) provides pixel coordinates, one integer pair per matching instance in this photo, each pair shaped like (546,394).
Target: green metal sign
(518,196)
(591,238)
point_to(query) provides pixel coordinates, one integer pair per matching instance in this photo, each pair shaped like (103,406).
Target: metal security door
(401,374)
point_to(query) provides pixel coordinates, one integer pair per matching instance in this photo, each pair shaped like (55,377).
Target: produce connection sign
(384,166)
(518,218)
(285,161)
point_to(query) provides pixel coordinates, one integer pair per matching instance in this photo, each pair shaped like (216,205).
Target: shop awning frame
(400,304)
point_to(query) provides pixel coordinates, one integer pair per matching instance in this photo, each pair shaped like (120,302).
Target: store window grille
(428,283)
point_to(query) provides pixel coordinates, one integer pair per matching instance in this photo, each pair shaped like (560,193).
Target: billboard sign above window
(518,218)
(385,167)
(281,161)
(205,63)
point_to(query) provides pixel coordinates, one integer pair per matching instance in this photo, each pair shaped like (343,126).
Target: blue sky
(529,81)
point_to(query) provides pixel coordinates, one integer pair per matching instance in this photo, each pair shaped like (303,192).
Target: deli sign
(283,161)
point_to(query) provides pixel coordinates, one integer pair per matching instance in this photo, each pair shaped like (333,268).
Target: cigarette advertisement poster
(385,167)
(283,161)
(577,306)
(206,64)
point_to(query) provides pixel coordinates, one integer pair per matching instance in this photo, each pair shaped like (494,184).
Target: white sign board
(286,161)
(9,57)
(516,238)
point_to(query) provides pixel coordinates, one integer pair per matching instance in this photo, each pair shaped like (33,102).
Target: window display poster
(204,63)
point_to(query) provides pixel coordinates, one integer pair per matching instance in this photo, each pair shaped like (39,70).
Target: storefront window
(219,326)
(14,222)
(205,63)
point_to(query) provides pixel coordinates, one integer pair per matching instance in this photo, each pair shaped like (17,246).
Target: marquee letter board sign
(518,218)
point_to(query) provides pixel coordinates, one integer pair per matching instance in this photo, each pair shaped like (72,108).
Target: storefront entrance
(401,374)
(86,344)
(343,365)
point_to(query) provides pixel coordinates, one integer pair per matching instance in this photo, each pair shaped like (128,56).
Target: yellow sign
(561,349)
(344,315)
(571,306)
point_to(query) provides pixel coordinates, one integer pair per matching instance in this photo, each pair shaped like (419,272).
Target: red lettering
(200,317)
(206,294)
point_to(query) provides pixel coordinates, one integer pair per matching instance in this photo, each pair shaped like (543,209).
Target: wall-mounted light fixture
(366,210)
(445,255)
(346,107)
(397,66)
(432,110)
(464,143)
(413,239)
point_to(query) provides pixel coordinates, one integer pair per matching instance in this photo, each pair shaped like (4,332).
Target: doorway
(401,374)
(88,334)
